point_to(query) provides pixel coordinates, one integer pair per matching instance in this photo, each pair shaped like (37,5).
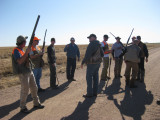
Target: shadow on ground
(5,110)
(134,101)
(81,112)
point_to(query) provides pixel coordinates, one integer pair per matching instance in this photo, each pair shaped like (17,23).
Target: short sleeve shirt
(17,54)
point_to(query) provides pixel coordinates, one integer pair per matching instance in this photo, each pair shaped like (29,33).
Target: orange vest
(19,50)
(34,49)
(105,46)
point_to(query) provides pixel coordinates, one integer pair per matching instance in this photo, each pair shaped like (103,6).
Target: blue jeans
(92,78)
(37,74)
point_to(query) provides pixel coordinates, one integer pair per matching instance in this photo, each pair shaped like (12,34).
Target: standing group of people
(28,65)
(134,56)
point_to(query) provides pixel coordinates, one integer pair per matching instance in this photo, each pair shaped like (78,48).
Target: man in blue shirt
(72,51)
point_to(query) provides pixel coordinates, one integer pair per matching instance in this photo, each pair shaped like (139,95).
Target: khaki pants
(28,82)
(105,67)
(118,66)
(134,67)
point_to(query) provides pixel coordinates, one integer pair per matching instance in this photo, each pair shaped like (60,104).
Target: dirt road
(114,101)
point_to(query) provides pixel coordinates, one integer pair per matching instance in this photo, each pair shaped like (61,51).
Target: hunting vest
(19,68)
(38,61)
(106,47)
(96,57)
(141,45)
(132,54)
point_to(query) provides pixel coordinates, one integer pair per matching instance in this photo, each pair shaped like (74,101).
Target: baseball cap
(92,35)
(106,36)
(21,39)
(36,38)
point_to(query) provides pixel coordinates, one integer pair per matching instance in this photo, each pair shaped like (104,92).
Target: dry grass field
(7,79)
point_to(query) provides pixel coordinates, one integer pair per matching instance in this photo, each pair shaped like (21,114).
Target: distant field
(7,79)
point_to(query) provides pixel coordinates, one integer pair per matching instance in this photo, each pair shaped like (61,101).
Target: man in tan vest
(132,58)
(36,57)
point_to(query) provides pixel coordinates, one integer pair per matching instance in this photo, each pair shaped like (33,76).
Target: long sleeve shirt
(91,49)
(72,51)
(144,50)
(51,54)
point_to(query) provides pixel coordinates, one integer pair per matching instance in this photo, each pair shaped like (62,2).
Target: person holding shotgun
(52,64)
(106,50)
(23,69)
(117,50)
(36,58)
(22,66)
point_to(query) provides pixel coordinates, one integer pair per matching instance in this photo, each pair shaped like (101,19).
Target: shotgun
(125,50)
(44,41)
(33,33)
(28,61)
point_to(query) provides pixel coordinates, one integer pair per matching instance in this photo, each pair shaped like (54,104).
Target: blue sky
(78,18)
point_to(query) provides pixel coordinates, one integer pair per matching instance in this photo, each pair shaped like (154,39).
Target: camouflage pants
(105,67)
(134,67)
(28,82)
(118,66)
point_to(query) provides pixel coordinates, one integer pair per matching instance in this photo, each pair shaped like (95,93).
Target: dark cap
(118,38)
(72,38)
(105,36)
(92,35)
(139,37)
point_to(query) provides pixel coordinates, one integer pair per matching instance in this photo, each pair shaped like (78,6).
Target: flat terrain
(7,79)
(114,101)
